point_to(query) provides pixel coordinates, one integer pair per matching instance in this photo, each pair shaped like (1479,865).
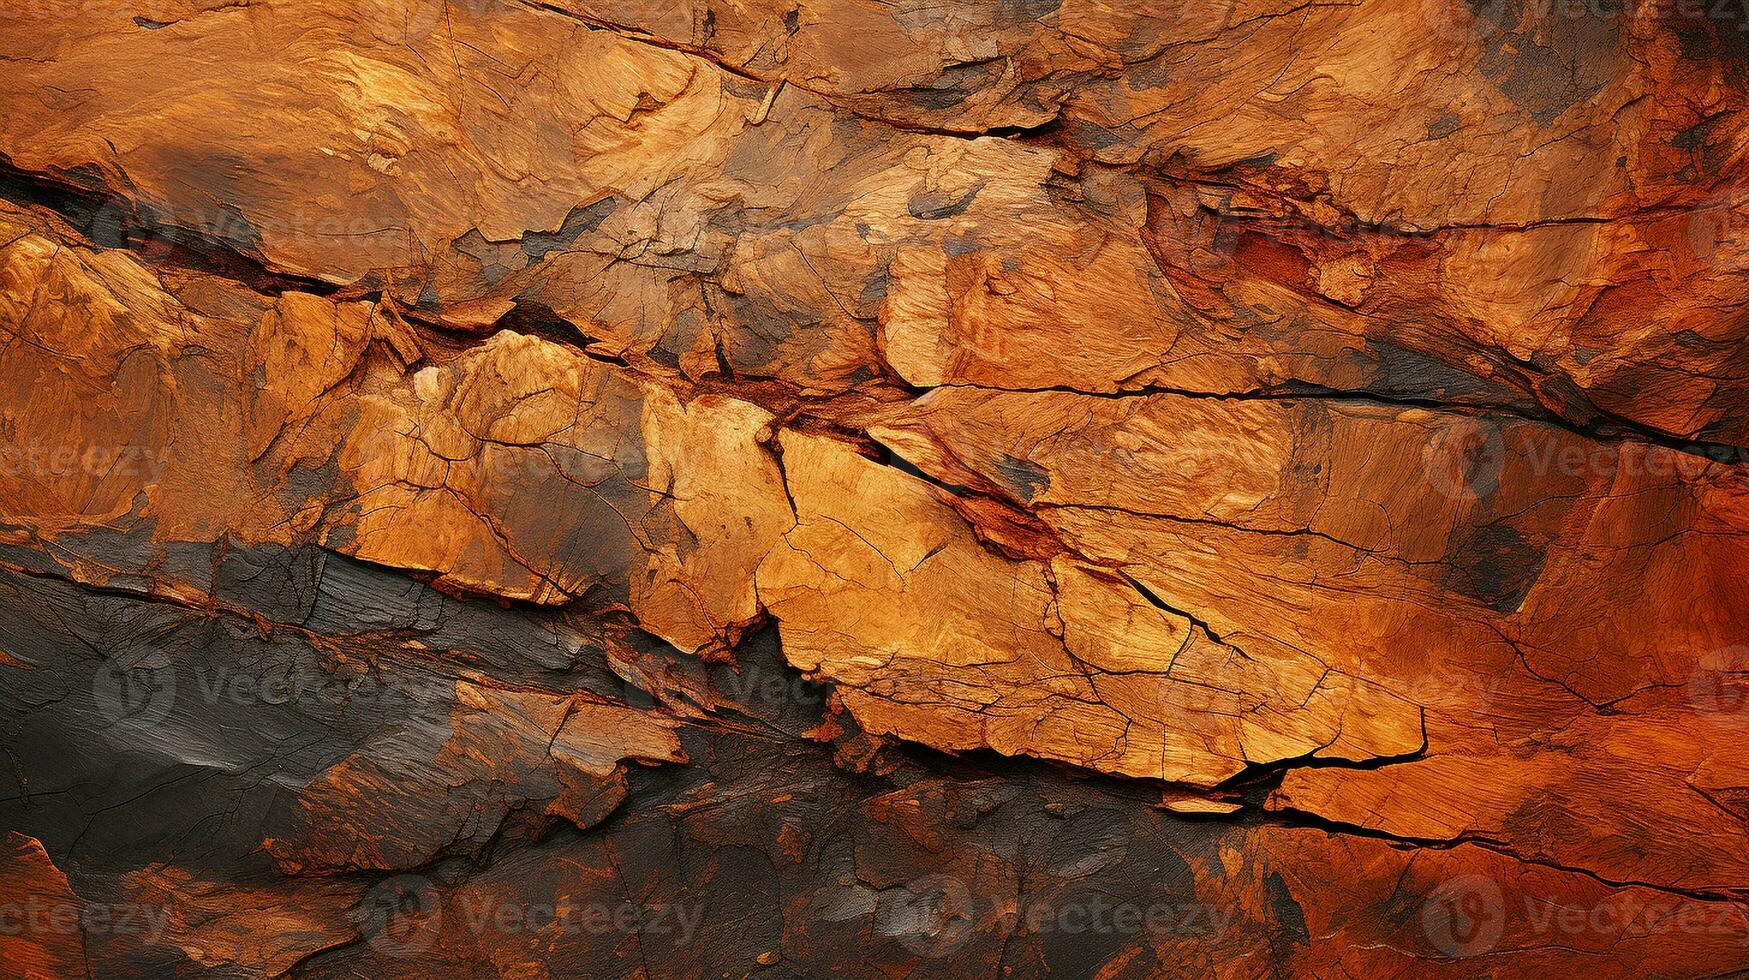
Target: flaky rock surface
(1007,487)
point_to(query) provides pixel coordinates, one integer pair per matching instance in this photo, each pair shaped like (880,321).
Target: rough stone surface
(1003,488)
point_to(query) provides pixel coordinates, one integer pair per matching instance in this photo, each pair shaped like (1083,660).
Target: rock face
(998,488)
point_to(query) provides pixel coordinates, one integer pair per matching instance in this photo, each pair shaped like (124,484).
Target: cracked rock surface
(794,488)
